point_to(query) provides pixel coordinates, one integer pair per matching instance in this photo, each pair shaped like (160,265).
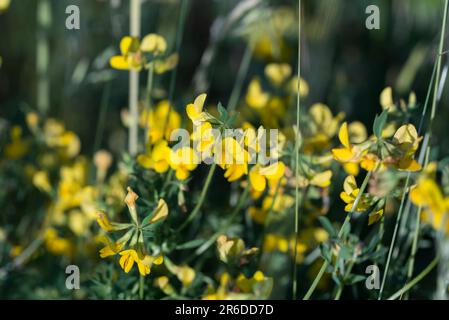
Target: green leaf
(190,244)
(327,225)
(379,123)
(223,112)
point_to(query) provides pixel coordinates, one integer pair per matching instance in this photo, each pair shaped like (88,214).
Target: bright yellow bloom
(144,262)
(428,195)
(18,147)
(348,153)
(161,212)
(203,137)
(4,4)
(183,160)
(195,110)
(104,222)
(111,249)
(277,73)
(350,194)
(386,99)
(303,87)
(132,51)
(258,175)
(322,179)
(159,127)
(42,181)
(255,97)
(158,159)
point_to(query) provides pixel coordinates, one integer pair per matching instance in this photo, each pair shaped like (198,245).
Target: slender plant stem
(141,287)
(241,74)
(414,245)
(393,239)
(418,278)
(298,112)
(340,234)
(342,285)
(134,26)
(402,231)
(102,117)
(148,105)
(199,204)
(436,85)
(43,56)
(178,43)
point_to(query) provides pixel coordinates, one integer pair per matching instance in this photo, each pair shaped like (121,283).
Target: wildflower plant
(253,176)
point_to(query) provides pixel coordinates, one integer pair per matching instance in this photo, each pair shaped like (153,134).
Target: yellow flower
(350,194)
(158,159)
(161,212)
(255,97)
(203,137)
(132,51)
(406,139)
(386,99)
(58,245)
(104,222)
(144,262)
(164,65)
(235,171)
(369,162)
(303,87)
(277,73)
(275,242)
(258,175)
(183,160)
(4,4)
(348,153)
(42,181)
(428,195)
(185,274)
(102,161)
(322,179)
(159,127)
(154,44)
(195,110)
(18,147)
(246,284)
(111,249)
(232,248)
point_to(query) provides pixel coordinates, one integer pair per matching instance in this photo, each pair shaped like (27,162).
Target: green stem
(133,139)
(393,239)
(179,36)
(199,204)
(418,278)
(298,109)
(241,74)
(148,105)
(340,234)
(141,287)
(429,133)
(102,117)
(342,285)
(43,56)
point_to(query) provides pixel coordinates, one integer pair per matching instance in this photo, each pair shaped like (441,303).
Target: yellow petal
(119,62)
(161,211)
(129,44)
(322,179)
(258,182)
(350,184)
(375,216)
(386,98)
(343,135)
